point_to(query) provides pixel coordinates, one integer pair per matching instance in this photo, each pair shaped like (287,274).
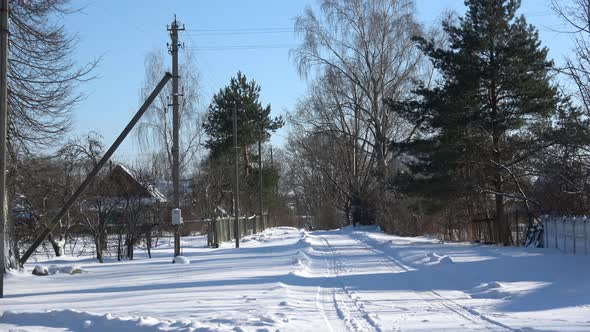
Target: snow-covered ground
(290,280)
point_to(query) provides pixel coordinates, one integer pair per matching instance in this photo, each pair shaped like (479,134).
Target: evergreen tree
(253,118)
(491,110)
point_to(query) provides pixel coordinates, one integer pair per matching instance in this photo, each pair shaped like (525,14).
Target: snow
(181,260)
(446,260)
(284,279)
(71,269)
(40,270)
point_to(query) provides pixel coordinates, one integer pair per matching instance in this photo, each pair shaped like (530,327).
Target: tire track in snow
(468,314)
(353,316)
(325,294)
(320,307)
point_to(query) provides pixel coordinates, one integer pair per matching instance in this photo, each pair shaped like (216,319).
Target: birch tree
(154,132)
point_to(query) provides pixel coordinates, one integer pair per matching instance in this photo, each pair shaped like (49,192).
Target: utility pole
(356,209)
(3,134)
(272,167)
(237,180)
(259,168)
(173,49)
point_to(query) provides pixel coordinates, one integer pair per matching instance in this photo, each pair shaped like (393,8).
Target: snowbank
(445,260)
(490,290)
(181,260)
(73,320)
(55,269)
(40,270)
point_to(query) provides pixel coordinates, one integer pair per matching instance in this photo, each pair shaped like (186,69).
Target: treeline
(465,130)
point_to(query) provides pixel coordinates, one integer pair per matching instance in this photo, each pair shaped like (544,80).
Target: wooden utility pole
(275,189)
(260,206)
(3,134)
(173,48)
(237,180)
(90,177)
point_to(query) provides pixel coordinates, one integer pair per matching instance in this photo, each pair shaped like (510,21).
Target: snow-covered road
(349,260)
(291,280)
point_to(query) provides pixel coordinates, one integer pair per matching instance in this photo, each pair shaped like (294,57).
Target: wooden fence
(222,229)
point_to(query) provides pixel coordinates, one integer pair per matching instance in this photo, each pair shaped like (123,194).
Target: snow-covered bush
(181,260)
(40,270)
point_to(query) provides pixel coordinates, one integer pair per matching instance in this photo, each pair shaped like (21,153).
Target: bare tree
(43,81)
(43,78)
(155,129)
(576,14)
(368,45)
(316,179)
(97,203)
(212,187)
(364,53)
(139,206)
(42,187)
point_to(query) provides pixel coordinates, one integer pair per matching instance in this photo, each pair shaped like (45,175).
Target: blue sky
(123,32)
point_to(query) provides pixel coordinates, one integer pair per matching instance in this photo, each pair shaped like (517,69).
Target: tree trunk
(120,239)
(130,244)
(502,231)
(101,244)
(58,246)
(148,242)
(246,161)
(98,247)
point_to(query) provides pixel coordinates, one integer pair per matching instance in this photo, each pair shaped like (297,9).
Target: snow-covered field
(290,280)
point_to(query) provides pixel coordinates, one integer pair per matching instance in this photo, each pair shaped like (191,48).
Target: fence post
(218,230)
(216,233)
(585,237)
(242,224)
(545,231)
(209,234)
(221,232)
(555,231)
(230,227)
(545,234)
(564,234)
(574,221)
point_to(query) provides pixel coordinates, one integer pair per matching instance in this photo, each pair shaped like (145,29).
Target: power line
(232,33)
(272,30)
(243,47)
(210,74)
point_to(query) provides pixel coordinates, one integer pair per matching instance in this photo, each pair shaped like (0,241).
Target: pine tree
(253,118)
(489,113)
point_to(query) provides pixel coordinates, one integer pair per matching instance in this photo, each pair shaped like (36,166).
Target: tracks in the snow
(346,307)
(353,315)
(434,298)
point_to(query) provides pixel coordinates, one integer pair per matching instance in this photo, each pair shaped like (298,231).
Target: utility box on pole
(176,217)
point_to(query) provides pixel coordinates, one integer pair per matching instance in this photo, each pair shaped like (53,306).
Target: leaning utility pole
(237,180)
(259,168)
(3,134)
(173,49)
(90,177)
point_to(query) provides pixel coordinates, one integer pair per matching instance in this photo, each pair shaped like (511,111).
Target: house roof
(147,190)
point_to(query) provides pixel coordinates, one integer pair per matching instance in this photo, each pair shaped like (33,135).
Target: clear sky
(124,31)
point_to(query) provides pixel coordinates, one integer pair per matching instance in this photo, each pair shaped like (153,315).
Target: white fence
(568,234)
